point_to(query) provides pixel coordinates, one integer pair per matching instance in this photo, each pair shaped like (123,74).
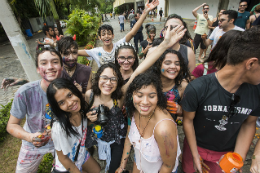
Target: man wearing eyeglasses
(226,23)
(243,16)
(203,20)
(220,109)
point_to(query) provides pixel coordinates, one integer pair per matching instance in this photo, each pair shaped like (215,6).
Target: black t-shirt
(160,12)
(211,101)
(144,44)
(81,76)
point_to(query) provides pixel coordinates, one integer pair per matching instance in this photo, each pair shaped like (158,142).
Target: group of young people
(219,110)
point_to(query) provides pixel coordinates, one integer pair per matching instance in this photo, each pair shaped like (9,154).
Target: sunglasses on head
(232,110)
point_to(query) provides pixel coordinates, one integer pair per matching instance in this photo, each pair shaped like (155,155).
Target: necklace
(145,125)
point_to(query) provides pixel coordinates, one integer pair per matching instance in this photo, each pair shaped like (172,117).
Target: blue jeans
(122,27)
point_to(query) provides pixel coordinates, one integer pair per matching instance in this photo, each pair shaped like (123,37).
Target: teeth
(172,72)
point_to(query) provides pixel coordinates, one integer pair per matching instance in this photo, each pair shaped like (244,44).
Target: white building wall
(184,7)
(233,5)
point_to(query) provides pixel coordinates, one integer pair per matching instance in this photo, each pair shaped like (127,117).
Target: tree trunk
(18,41)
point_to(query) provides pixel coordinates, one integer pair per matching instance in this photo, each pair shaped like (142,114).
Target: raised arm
(194,12)
(138,24)
(166,138)
(192,59)
(12,81)
(171,37)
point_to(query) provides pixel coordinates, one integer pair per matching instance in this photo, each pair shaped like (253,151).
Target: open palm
(152,4)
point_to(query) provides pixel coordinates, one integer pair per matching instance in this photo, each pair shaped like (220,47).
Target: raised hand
(173,35)
(12,81)
(151,5)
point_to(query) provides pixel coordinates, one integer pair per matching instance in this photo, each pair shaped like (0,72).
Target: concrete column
(18,40)
(135,6)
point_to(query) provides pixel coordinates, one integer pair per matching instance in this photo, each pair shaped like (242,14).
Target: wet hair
(184,72)
(149,27)
(66,43)
(245,45)
(105,27)
(117,94)
(232,14)
(46,29)
(144,80)
(257,9)
(42,50)
(187,35)
(126,45)
(218,55)
(60,115)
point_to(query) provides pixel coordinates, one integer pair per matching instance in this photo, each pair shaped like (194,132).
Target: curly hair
(184,72)
(117,94)
(144,79)
(127,46)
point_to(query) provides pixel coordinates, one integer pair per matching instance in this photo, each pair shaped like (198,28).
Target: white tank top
(147,153)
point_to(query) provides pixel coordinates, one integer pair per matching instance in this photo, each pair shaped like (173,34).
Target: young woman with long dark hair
(69,128)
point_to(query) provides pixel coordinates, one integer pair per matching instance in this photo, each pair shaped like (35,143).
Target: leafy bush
(82,24)
(46,164)
(4,117)
(83,60)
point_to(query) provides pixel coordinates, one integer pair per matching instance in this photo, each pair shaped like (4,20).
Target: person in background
(121,20)
(161,13)
(214,22)
(243,16)
(146,44)
(203,20)
(139,35)
(255,15)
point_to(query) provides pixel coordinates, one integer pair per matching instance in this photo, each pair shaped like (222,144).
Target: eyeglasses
(205,8)
(232,110)
(104,79)
(123,59)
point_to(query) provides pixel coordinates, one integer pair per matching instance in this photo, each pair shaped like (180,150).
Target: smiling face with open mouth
(67,101)
(106,37)
(49,66)
(145,100)
(107,81)
(126,59)
(170,66)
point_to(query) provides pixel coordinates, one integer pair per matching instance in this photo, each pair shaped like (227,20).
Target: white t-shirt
(103,57)
(121,19)
(217,34)
(48,40)
(68,145)
(202,24)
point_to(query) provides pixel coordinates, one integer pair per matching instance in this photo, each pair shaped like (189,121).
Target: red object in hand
(58,38)
(74,37)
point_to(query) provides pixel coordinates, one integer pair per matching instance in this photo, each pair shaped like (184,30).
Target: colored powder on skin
(162,70)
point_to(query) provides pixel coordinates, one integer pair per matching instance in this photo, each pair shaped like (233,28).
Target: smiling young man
(30,101)
(243,16)
(220,109)
(106,54)
(226,23)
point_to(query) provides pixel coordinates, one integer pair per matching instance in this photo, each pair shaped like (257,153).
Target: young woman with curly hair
(108,89)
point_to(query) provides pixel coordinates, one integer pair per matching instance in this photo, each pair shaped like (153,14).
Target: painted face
(67,101)
(126,58)
(56,31)
(107,81)
(151,34)
(242,6)
(51,32)
(49,66)
(170,66)
(145,100)
(70,57)
(172,23)
(223,21)
(106,37)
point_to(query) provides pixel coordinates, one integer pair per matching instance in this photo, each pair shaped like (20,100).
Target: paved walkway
(10,66)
